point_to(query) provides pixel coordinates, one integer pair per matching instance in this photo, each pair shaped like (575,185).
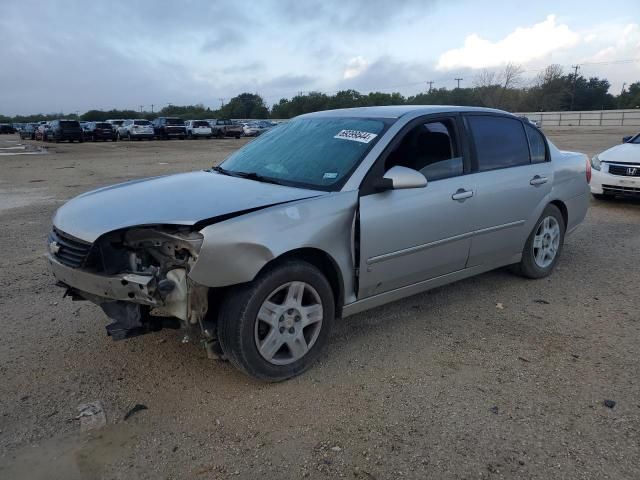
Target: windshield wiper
(254,176)
(248,175)
(221,171)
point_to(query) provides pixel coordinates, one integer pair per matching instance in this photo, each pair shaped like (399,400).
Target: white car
(198,128)
(135,129)
(617,171)
(250,129)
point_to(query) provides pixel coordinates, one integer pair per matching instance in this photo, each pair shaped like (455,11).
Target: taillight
(588,171)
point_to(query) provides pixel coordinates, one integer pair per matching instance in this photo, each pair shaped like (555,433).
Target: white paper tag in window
(356,136)
(330,175)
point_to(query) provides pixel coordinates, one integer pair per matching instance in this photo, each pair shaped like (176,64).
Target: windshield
(316,152)
(635,139)
(175,121)
(141,122)
(200,123)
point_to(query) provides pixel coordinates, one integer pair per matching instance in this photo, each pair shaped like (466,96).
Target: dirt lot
(440,385)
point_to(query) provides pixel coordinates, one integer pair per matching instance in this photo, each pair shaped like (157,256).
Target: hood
(182,199)
(625,153)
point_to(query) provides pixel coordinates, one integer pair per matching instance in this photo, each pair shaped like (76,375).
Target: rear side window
(500,142)
(537,145)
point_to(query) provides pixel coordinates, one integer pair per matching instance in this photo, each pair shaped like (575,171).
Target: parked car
(42,132)
(328,215)
(100,131)
(28,131)
(85,127)
(225,128)
(198,128)
(169,127)
(61,130)
(251,129)
(616,171)
(7,128)
(135,130)
(115,123)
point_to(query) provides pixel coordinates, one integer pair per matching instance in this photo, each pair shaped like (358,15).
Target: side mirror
(627,138)
(399,178)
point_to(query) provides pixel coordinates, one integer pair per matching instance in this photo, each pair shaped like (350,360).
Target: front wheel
(544,245)
(275,327)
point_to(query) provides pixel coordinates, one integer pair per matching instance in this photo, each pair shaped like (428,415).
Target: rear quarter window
(500,142)
(537,145)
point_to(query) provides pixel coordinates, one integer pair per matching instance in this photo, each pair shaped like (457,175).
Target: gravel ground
(441,385)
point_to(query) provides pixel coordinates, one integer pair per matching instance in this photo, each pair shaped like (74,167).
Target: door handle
(538,180)
(462,194)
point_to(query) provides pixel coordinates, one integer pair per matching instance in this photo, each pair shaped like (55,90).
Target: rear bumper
(175,133)
(604,182)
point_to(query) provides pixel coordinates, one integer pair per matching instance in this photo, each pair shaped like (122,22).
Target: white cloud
(355,67)
(520,46)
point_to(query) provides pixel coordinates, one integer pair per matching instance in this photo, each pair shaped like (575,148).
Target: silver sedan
(325,216)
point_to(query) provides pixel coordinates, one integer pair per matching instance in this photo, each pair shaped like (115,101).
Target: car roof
(397,111)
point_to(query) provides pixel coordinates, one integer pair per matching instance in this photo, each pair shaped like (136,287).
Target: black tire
(528,267)
(238,316)
(237,137)
(220,134)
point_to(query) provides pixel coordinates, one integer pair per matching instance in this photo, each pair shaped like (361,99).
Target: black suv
(60,130)
(99,131)
(167,127)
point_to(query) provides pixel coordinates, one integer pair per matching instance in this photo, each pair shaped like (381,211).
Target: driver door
(416,234)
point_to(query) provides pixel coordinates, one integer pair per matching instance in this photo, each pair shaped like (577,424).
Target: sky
(68,55)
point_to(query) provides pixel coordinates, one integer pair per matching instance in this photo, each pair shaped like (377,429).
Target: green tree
(245,105)
(630,98)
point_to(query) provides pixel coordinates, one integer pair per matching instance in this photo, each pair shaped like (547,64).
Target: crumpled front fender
(234,251)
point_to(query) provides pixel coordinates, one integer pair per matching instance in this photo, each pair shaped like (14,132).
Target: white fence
(597,118)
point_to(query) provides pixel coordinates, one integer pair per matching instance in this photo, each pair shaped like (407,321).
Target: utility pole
(152,108)
(141,108)
(458,80)
(430,82)
(221,102)
(573,89)
(623,85)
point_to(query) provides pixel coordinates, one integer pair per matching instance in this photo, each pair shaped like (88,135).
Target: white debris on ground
(91,416)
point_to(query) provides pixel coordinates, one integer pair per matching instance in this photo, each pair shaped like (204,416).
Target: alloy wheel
(288,323)
(546,242)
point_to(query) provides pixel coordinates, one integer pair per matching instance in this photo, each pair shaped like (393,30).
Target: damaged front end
(138,276)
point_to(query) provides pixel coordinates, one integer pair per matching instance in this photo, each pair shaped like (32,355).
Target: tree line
(550,90)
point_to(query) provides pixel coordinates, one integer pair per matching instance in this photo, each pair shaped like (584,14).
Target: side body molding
(234,251)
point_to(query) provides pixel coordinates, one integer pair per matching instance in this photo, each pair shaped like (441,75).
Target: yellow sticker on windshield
(356,136)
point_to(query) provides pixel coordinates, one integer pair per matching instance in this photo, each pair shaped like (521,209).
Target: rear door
(513,177)
(412,235)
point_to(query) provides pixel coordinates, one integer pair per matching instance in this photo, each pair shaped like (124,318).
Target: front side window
(500,142)
(314,152)
(537,145)
(430,148)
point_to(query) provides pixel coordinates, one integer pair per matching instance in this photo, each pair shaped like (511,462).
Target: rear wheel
(544,245)
(275,327)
